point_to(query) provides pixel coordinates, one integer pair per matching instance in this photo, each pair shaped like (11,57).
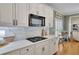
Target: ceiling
(66,8)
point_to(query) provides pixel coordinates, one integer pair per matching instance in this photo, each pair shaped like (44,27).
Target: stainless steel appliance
(36,39)
(36,21)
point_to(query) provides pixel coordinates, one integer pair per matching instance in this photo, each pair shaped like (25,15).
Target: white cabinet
(34,8)
(29,50)
(39,48)
(20,14)
(17,14)
(14,14)
(6,14)
(53,45)
(37,9)
(49,15)
(41,10)
(51,18)
(42,48)
(15,52)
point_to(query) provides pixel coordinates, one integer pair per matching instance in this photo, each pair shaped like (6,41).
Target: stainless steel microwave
(36,21)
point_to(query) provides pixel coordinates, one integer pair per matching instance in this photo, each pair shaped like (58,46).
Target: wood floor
(69,48)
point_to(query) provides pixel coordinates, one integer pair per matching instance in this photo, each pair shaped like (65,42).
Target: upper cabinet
(6,14)
(14,14)
(49,13)
(20,14)
(17,14)
(43,10)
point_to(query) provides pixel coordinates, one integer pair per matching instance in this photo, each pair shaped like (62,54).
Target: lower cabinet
(45,47)
(27,50)
(53,45)
(42,48)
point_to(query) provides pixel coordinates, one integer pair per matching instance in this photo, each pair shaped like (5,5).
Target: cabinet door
(6,14)
(34,8)
(42,48)
(49,16)
(53,46)
(22,14)
(41,10)
(37,8)
(45,49)
(16,52)
(27,50)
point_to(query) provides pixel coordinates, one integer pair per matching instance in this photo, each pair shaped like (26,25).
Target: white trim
(69,26)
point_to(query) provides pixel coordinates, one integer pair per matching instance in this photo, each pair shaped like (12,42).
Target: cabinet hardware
(43,49)
(27,49)
(14,22)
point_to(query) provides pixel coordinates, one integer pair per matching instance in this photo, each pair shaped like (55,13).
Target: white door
(6,14)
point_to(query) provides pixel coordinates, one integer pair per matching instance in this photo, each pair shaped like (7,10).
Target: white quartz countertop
(15,45)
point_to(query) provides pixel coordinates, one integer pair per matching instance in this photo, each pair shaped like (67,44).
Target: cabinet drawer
(27,50)
(43,42)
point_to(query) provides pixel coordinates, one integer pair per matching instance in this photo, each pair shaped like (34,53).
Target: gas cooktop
(36,39)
